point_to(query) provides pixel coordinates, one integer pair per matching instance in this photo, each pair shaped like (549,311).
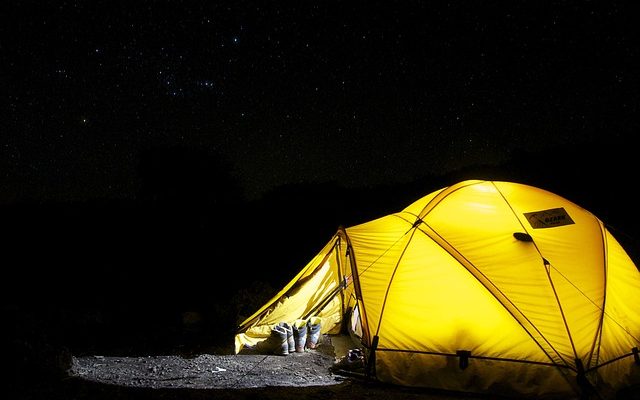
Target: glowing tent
(483,286)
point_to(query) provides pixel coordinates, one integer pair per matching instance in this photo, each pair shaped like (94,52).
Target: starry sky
(356,93)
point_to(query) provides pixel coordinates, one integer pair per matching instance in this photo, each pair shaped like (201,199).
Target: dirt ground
(315,374)
(207,371)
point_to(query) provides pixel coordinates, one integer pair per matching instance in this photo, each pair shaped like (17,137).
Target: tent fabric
(479,286)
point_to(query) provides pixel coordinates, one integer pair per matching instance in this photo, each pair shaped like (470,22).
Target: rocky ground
(207,371)
(323,373)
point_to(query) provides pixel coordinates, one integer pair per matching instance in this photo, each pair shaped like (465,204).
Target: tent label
(548,218)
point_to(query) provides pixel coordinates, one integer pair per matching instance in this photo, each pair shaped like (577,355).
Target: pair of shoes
(352,363)
(283,334)
(314,325)
(279,342)
(306,333)
(290,343)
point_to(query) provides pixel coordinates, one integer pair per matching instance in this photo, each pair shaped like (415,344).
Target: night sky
(354,93)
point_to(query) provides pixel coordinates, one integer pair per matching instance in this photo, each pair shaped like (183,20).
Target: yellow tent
(483,286)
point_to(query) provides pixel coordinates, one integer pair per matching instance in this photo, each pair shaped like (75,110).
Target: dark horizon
(190,218)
